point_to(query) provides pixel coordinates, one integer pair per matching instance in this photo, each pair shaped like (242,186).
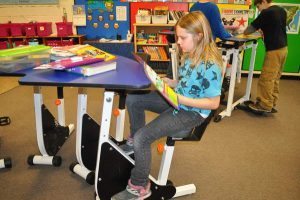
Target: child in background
(272,22)
(212,13)
(198,90)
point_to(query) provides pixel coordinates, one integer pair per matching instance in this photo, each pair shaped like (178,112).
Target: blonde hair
(204,49)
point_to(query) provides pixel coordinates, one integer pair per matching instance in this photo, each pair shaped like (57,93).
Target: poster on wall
(293,17)
(79,15)
(235,20)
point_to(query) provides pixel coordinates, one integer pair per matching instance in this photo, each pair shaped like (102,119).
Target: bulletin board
(103,22)
(28,2)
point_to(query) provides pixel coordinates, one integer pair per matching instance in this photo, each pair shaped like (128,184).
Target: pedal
(4,121)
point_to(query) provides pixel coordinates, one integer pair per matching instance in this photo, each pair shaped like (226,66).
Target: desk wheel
(46,160)
(217,118)
(89,176)
(4,121)
(5,163)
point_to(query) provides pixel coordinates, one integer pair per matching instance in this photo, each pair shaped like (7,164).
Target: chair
(194,135)
(163,186)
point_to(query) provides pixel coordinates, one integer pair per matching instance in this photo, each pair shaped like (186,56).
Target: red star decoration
(241,22)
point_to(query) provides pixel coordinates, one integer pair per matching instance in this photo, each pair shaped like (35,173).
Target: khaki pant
(268,83)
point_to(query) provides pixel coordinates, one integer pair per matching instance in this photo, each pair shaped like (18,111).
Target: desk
(51,133)
(232,46)
(129,75)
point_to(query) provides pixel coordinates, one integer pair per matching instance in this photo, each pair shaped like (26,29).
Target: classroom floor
(243,157)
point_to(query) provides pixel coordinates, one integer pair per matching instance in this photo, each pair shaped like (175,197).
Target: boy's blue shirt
(202,81)
(212,13)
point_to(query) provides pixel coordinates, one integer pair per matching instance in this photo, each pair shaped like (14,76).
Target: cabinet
(52,40)
(147,38)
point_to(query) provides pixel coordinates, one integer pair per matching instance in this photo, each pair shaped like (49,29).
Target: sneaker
(258,108)
(133,192)
(128,146)
(274,110)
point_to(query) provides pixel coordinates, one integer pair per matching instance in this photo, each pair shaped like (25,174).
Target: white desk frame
(44,158)
(236,74)
(80,169)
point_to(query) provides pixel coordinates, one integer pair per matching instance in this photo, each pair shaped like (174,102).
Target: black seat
(196,133)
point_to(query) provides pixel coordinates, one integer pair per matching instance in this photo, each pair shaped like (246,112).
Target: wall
(40,13)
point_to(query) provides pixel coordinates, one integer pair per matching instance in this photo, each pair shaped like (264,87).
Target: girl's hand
(172,83)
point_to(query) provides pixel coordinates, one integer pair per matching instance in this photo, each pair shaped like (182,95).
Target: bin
(64,28)
(4,30)
(23,57)
(30,29)
(44,28)
(16,29)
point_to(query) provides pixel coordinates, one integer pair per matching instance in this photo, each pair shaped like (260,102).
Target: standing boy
(272,22)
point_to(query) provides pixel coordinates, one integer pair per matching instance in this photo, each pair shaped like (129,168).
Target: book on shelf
(156,52)
(167,92)
(95,68)
(70,62)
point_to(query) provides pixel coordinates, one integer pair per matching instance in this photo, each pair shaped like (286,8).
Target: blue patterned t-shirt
(202,81)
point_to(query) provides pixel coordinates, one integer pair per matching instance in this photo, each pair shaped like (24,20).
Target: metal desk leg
(5,162)
(230,105)
(251,69)
(120,117)
(87,136)
(50,134)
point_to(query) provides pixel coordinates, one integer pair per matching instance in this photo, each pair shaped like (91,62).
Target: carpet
(8,83)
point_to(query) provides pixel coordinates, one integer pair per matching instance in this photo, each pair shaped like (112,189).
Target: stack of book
(86,60)
(95,68)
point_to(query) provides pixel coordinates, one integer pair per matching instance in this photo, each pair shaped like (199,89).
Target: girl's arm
(203,103)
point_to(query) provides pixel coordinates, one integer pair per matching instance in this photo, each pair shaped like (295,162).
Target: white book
(95,68)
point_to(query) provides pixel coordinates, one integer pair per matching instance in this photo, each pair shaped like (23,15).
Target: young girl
(198,89)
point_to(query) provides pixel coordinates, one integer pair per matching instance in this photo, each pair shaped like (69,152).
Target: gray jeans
(168,123)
